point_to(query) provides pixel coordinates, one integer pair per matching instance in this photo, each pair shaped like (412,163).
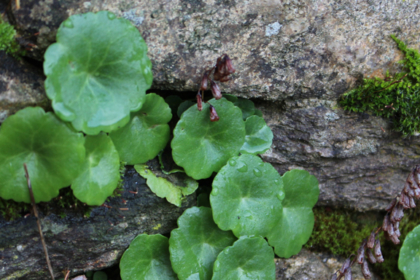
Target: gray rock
(21,85)
(84,244)
(313,266)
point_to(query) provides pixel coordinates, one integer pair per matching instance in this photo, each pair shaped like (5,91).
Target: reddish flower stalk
(390,226)
(222,70)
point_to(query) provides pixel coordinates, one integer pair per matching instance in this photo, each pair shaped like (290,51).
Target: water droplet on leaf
(257,172)
(242,167)
(232,162)
(68,24)
(280,195)
(216,265)
(111,16)
(214,192)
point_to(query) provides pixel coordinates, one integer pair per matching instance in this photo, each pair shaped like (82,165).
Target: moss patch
(7,39)
(396,97)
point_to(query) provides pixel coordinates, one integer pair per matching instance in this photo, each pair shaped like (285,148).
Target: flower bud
(391,205)
(397,229)
(213,114)
(215,90)
(347,275)
(404,200)
(346,265)
(411,180)
(394,239)
(386,224)
(417,193)
(370,256)
(365,270)
(378,252)
(397,213)
(361,252)
(371,240)
(204,79)
(199,101)
(228,65)
(412,203)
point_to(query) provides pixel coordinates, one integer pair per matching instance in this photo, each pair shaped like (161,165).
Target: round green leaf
(246,196)
(409,259)
(100,275)
(100,173)
(171,187)
(247,107)
(97,72)
(195,245)
(202,147)
(230,97)
(184,107)
(259,136)
(258,113)
(146,134)
(52,151)
(297,221)
(147,258)
(248,258)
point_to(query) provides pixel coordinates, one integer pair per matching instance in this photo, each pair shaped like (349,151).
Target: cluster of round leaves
(249,201)
(97,76)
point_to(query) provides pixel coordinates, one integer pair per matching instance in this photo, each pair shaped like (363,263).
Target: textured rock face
(21,85)
(313,266)
(296,58)
(84,244)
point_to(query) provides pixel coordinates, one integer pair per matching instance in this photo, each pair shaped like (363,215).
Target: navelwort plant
(97,76)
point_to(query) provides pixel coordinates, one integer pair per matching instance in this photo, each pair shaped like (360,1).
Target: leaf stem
(31,194)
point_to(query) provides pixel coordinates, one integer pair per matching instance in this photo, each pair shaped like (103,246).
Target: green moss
(396,97)
(7,39)
(335,232)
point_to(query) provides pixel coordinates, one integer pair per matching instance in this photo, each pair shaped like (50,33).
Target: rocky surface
(313,266)
(21,85)
(83,244)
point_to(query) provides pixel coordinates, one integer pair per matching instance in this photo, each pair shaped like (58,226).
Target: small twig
(67,275)
(17,4)
(31,194)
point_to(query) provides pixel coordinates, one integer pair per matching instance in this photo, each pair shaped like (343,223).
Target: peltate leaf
(147,258)
(97,72)
(146,134)
(248,258)
(100,172)
(184,107)
(173,187)
(202,147)
(259,136)
(52,151)
(195,245)
(246,196)
(409,259)
(100,275)
(297,221)
(247,107)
